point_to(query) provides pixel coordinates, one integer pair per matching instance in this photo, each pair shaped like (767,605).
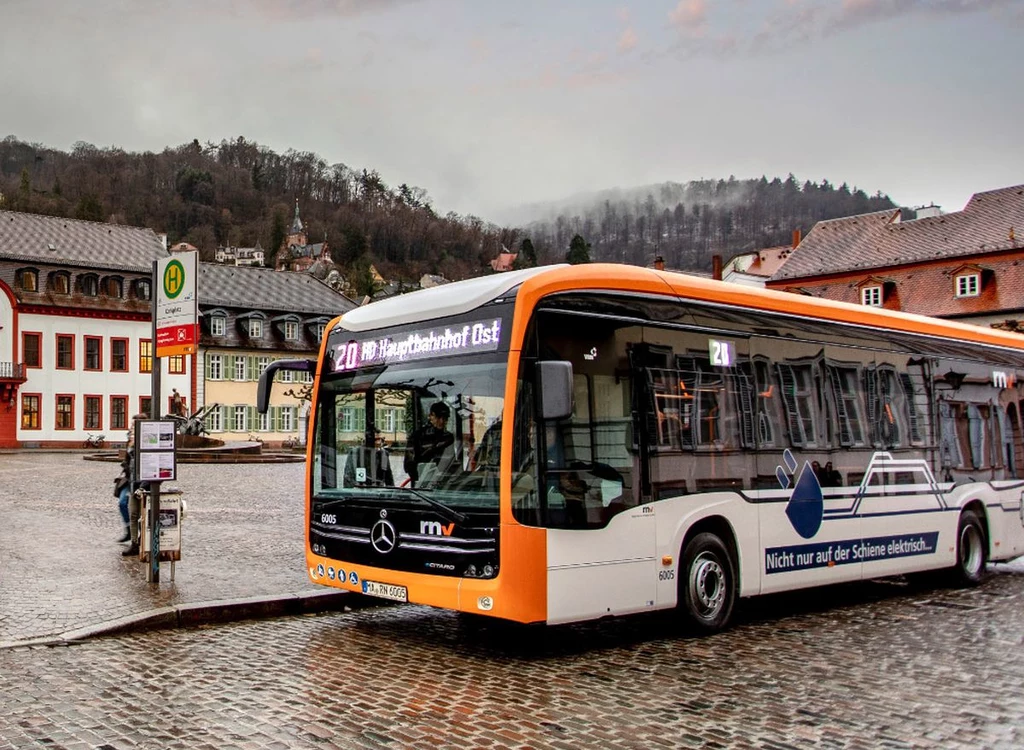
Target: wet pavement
(876,665)
(61,570)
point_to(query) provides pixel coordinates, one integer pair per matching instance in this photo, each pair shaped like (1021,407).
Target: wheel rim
(971,555)
(707,585)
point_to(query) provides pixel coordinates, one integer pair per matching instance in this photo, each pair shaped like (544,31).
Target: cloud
(690,16)
(627,40)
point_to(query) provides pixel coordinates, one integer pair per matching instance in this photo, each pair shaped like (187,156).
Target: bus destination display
(470,338)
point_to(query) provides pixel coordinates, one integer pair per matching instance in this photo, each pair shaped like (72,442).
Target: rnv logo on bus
(434,528)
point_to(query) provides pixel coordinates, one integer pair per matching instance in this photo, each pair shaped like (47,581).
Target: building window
(30,411)
(255,328)
(291,330)
(262,363)
(241,412)
(119,412)
(871,295)
(65,412)
(65,352)
(968,285)
(144,404)
(142,289)
(217,325)
(28,279)
(320,331)
(213,423)
(119,355)
(263,421)
(176,364)
(32,349)
(145,355)
(287,418)
(89,285)
(93,353)
(241,369)
(215,367)
(93,415)
(60,282)
(112,287)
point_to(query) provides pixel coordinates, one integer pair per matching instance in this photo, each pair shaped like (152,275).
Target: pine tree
(579,251)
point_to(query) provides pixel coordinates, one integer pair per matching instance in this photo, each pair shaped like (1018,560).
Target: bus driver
(428,443)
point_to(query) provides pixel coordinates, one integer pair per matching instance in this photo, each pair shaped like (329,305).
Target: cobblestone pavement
(60,568)
(874,665)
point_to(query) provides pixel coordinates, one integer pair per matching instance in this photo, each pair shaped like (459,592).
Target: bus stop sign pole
(153,571)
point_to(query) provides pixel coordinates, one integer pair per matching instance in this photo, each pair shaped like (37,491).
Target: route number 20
(720,352)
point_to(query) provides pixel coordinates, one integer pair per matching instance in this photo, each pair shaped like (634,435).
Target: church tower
(297,234)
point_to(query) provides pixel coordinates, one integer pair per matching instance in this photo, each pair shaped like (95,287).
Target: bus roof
(465,296)
(615,277)
(436,302)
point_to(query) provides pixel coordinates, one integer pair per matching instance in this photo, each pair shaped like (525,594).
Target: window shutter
(224,412)
(228,367)
(206,364)
(745,402)
(251,371)
(788,381)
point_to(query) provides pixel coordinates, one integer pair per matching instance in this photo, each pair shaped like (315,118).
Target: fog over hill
(687,223)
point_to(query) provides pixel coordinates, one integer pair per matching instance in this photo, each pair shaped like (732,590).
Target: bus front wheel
(970,550)
(707,584)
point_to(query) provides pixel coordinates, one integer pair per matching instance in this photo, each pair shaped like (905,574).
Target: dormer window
(871,296)
(255,328)
(142,289)
(28,279)
(88,285)
(968,285)
(217,325)
(291,330)
(320,331)
(60,282)
(112,286)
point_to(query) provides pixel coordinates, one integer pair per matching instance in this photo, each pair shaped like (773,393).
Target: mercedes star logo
(383,537)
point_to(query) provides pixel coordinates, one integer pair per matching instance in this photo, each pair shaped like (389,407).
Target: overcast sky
(488,105)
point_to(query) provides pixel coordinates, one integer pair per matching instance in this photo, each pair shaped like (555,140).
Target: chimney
(716,267)
(796,238)
(659,263)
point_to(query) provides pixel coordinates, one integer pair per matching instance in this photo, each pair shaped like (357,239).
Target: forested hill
(240,193)
(688,223)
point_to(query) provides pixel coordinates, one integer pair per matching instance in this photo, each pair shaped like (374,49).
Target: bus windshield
(427,434)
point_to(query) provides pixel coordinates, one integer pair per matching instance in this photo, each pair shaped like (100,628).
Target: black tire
(707,584)
(971,550)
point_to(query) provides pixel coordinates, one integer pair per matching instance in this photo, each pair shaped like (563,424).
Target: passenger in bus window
(428,443)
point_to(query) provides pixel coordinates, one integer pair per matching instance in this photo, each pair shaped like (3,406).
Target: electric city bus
(573,442)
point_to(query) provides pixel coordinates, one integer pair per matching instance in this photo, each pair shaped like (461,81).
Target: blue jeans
(122,504)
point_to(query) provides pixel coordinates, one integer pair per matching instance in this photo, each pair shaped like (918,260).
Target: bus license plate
(386,591)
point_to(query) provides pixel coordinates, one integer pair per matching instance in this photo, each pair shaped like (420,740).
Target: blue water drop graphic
(806,506)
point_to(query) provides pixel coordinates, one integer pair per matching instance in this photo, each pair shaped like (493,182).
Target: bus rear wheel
(971,547)
(707,584)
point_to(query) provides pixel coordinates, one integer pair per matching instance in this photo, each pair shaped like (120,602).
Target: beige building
(249,318)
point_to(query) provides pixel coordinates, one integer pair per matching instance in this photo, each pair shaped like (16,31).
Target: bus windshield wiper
(446,510)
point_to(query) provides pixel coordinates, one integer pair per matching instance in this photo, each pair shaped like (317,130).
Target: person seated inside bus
(365,465)
(429,446)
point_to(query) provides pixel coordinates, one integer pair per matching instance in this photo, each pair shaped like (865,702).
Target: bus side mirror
(554,383)
(267,378)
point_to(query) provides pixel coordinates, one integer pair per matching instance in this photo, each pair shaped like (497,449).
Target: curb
(203,613)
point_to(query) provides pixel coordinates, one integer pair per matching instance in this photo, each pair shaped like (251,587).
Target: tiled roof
(266,289)
(879,240)
(928,289)
(77,243)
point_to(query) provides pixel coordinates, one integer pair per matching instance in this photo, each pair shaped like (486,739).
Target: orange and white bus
(573,442)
